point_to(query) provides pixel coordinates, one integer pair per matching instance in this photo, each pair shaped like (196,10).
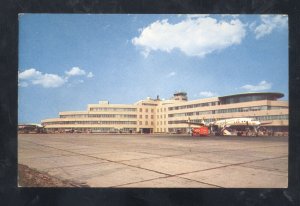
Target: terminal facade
(169,116)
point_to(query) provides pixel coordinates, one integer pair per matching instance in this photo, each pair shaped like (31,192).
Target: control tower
(182,96)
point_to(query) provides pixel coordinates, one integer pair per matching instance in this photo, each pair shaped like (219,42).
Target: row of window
(259,118)
(149,104)
(232,110)
(97,129)
(249,109)
(272,117)
(146,116)
(99,116)
(146,110)
(243,109)
(113,109)
(192,121)
(90,122)
(110,116)
(161,110)
(206,104)
(191,113)
(111,129)
(161,116)
(238,99)
(146,123)
(104,122)
(161,122)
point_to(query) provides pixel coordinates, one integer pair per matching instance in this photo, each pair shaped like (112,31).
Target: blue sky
(68,61)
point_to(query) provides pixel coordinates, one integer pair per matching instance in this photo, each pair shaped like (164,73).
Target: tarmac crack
(166,175)
(201,182)
(116,162)
(61,167)
(235,164)
(121,185)
(119,162)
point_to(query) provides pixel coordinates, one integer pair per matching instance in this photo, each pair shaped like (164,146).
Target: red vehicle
(200,131)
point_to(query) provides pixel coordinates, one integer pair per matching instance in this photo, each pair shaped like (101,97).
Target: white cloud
(35,77)
(171,74)
(49,80)
(269,23)
(29,74)
(194,36)
(208,94)
(263,85)
(75,71)
(38,78)
(90,75)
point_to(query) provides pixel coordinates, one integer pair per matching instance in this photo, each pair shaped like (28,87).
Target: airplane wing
(191,123)
(265,123)
(196,123)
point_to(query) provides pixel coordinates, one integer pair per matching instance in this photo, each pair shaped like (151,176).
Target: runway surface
(158,161)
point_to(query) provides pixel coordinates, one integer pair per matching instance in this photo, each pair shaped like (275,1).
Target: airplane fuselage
(237,122)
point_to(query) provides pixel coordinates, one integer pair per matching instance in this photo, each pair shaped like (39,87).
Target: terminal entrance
(146,130)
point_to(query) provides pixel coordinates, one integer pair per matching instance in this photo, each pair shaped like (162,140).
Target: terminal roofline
(277,95)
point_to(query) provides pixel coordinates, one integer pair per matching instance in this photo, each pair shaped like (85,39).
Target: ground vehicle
(200,131)
(30,128)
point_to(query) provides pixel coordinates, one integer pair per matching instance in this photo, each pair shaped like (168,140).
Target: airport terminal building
(168,116)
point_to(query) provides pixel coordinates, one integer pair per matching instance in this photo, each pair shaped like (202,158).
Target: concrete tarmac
(156,161)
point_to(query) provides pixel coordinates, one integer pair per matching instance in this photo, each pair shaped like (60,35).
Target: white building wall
(156,115)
